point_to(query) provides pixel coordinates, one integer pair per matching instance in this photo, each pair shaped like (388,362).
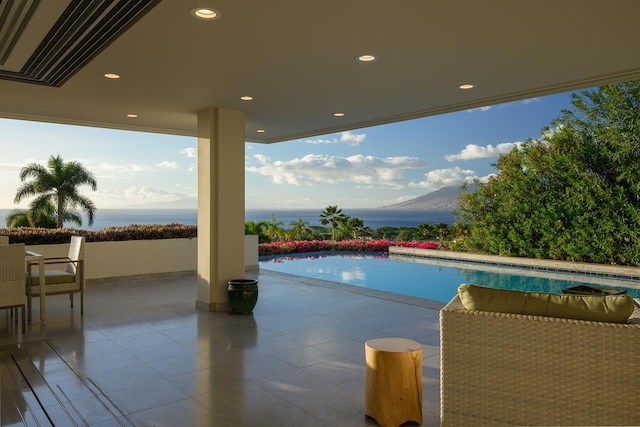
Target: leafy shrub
(46,236)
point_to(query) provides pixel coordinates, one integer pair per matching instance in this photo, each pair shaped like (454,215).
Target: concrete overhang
(297,59)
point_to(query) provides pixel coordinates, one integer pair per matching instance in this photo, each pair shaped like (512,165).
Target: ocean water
(120,217)
(373,218)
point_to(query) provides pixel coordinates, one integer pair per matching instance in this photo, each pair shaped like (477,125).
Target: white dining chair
(68,279)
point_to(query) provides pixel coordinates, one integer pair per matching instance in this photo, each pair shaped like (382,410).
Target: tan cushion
(611,308)
(52,277)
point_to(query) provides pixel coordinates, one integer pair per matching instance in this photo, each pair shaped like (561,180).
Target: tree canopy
(333,216)
(42,217)
(574,195)
(57,185)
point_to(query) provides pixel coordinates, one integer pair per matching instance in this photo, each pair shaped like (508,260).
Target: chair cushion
(610,308)
(53,277)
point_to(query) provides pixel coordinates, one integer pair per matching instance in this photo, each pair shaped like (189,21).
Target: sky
(361,168)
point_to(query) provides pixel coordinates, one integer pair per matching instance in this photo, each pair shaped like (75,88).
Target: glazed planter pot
(242,295)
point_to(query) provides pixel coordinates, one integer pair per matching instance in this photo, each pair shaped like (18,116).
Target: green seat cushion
(611,308)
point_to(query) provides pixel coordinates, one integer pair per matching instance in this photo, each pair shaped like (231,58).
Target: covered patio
(229,72)
(143,355)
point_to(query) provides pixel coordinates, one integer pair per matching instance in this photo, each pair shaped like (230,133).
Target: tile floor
(143,355)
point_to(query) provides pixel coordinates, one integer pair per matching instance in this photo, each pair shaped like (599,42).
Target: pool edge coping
(606,271)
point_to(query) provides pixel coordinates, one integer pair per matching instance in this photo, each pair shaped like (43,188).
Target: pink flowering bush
(43,236)
(301,246)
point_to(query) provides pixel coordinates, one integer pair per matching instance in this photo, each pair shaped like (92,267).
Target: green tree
(332,216)
(442,231)
(298,229)
(386,232)
(274,229)
(257,229)
(45,217)
(354,227)
(574,195)
(57,185)
(424,230)
(404,234)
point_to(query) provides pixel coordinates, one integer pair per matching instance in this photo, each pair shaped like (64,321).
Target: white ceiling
(297,59)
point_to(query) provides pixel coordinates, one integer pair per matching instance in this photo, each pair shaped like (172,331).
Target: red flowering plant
(354,245)
(43,236)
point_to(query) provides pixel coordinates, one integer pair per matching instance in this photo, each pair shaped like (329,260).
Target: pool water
(430,279)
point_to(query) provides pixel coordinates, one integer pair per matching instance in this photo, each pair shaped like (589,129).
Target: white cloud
(137,196)
(436,179)
(548,133)
(168,165)
(262,159)
(352,138)
(531,100)
(11,167)
(315,169)
(322,141)
(190,152)
(348,137)
(110,167)
(481,109)
(473,151)
(135,193)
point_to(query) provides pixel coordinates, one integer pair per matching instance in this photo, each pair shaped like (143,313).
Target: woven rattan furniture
(68,280)
(12,285)
(504,369)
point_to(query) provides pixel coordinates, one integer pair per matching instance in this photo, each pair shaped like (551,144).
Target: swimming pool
(430,279)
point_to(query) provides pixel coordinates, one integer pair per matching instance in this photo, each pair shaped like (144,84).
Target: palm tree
(274,228)
(298,228)
(58,186)
(252,227)
(45,217)
(355,226)
(333,216)
(258,229)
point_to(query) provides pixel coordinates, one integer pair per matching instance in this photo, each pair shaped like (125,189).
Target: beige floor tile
(297,361)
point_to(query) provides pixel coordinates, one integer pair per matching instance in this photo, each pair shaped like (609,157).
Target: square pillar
(221,196)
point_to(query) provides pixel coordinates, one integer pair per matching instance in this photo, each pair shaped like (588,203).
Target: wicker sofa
(510,369)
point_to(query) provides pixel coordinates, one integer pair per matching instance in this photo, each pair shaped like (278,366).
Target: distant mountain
(444,199)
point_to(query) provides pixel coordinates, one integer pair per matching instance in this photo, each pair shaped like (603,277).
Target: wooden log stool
(393,381)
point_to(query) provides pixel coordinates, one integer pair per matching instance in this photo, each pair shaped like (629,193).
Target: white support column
(220,205)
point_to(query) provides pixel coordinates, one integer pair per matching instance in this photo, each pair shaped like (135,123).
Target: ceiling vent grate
(14,16)
(84,29)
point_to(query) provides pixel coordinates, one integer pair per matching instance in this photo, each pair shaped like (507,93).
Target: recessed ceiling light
(246,98)
(338,114)
(112,75)
(466,86)
(132,116)
(366,58)
(260,130)
(205,13)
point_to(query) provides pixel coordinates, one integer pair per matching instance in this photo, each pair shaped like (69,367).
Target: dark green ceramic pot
(243,295)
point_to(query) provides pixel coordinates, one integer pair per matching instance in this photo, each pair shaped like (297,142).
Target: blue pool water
(431,279)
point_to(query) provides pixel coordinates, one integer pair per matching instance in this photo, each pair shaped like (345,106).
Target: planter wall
(112,260)
(250,252)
